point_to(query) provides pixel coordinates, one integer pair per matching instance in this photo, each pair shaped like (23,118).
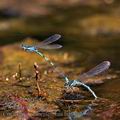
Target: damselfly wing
(95,71)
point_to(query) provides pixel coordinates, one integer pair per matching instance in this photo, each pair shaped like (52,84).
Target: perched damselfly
(94,71)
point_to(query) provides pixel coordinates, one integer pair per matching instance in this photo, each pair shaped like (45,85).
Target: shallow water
(89,50)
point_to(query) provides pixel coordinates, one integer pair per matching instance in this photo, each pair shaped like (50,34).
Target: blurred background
(88,27)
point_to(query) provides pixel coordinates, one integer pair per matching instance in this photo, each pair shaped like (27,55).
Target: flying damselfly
(46,44)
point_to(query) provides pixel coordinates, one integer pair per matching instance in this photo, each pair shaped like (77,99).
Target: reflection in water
(78,115)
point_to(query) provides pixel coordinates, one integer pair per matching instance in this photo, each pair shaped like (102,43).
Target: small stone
(7,79)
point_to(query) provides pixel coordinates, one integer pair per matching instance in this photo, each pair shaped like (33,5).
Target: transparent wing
(95,71)
(54,46)
(49,40)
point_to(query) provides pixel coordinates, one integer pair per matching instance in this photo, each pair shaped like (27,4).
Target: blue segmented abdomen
(46,59)
(51,63)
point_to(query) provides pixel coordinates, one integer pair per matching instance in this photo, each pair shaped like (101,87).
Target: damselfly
(95,71)
(46,44)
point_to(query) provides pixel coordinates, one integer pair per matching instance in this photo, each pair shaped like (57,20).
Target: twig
(19,70)
(37,77)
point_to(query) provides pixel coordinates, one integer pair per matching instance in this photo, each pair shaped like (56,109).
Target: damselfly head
(23,46)
(67,84)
